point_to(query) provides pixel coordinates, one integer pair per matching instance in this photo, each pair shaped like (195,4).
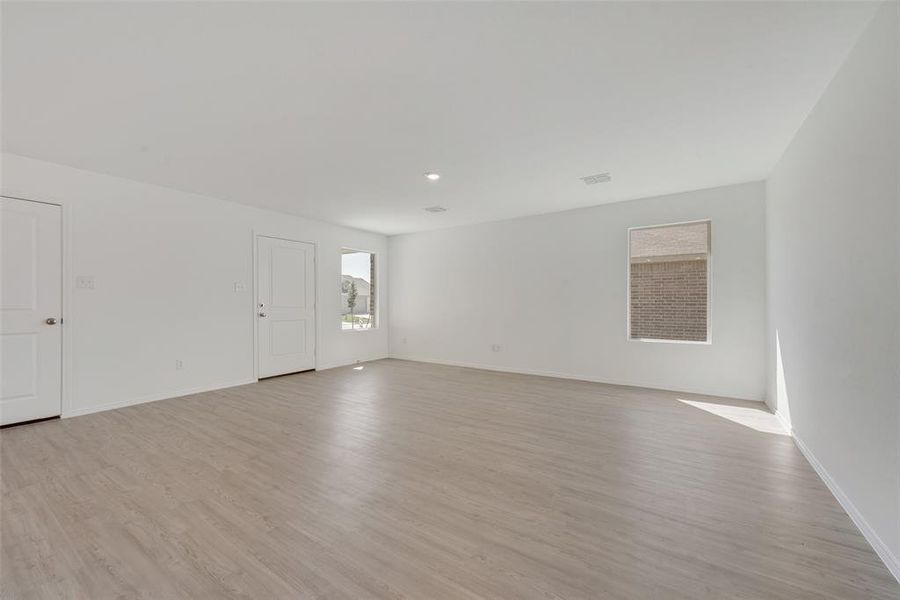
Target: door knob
(262,314)
(50,321)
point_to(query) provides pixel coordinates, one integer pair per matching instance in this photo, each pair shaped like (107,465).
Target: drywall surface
(833,226)
(165,266)
(551,292)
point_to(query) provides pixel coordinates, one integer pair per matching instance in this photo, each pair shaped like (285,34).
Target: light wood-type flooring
(410,480)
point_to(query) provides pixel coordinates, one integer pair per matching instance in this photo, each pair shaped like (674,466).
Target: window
(669,282)
(357,289)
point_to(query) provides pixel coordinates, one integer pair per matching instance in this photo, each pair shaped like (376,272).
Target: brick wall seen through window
(668,282)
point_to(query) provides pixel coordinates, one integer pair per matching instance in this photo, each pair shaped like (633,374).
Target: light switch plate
(239,287)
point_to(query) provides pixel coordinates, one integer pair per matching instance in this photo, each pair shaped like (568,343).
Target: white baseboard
(153,398)
(785,422)
(881,549)
(77,412)
(335,365)
(557,375)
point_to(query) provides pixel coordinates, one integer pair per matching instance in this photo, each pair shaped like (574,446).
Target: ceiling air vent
(435,209)
(598,178)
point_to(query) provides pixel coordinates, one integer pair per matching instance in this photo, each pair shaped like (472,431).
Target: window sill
(685,342)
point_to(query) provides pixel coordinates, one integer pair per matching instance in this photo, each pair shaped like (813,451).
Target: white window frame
(709,259)
(377,277)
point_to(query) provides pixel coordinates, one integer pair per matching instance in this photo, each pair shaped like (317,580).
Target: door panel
(288,337)
(287,289)
(286,306)
(30,293)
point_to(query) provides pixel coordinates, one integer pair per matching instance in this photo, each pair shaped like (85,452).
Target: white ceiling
(335,110)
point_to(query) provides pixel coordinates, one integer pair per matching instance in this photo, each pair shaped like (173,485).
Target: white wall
(551,291)
(165,263)
(833,227)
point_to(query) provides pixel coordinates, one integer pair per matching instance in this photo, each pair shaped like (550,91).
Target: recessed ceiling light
(432,176)
(435,209)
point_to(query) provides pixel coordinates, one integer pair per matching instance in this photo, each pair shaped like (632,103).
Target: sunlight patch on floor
(754,418)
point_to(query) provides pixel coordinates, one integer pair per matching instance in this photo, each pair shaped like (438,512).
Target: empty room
(450,300)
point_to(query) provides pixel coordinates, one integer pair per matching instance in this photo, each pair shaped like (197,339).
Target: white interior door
(286,306)
(31,304)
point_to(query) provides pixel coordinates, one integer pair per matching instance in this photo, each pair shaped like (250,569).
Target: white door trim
(65,401)
(254,235)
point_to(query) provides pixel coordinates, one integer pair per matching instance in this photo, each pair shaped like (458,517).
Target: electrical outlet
(239,287)
(179,365)
(495,348)
(404,340)
(84,282)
